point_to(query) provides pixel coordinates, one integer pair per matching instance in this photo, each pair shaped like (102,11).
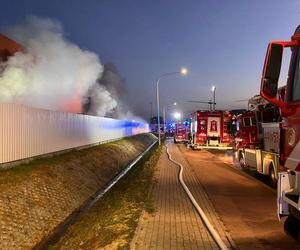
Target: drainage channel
(61,229)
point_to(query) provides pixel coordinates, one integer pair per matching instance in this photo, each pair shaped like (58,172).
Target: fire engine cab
(210,129)
(288,189)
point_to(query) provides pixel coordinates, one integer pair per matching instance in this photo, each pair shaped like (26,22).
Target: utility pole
(151,113)
(214,102)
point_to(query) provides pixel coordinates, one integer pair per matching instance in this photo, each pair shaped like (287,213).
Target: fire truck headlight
(268,156)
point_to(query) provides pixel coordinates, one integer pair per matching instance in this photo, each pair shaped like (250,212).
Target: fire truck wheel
(272,176)
(292,227)
(242,160)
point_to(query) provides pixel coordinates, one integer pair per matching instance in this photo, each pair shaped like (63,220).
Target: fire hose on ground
(207,223)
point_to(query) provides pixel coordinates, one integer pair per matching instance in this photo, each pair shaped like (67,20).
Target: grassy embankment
(111,222)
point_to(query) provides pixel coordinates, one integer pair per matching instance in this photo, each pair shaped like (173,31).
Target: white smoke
(128,115)
(101,101)
(53,71)
(116,85)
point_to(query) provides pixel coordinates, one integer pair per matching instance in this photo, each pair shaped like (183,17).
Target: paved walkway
(175,223)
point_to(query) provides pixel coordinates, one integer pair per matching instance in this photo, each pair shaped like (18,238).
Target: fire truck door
(291,123)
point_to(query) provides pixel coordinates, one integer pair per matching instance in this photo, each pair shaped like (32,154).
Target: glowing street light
(183,72)
(177,115)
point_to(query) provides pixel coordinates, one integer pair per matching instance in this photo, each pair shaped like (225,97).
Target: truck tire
(242,160)
(292,227)
(272,176)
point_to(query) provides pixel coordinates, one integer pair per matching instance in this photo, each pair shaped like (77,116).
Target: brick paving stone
(175,224)
(200,195)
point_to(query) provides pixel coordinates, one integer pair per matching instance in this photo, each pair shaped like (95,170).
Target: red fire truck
(181,132)
(246,130)
(289,181)
(211,129)
(257,138)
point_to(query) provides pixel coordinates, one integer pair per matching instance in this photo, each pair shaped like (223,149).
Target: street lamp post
(164,114)
(214,102)
(150,111)
(183,72)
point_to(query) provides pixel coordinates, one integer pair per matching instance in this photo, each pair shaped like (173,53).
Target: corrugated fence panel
(27,132)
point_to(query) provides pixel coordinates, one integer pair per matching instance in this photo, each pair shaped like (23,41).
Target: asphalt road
(246,206)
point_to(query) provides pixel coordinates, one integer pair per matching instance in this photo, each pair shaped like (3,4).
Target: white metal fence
(27,132)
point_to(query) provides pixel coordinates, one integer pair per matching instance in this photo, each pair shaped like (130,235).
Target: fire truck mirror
(272,70)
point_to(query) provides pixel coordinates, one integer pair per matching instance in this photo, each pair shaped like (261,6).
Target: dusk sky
(222,43)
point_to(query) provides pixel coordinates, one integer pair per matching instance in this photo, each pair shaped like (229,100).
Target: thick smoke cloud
(111,81)
(53,73)
(100,101)
(115,84)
